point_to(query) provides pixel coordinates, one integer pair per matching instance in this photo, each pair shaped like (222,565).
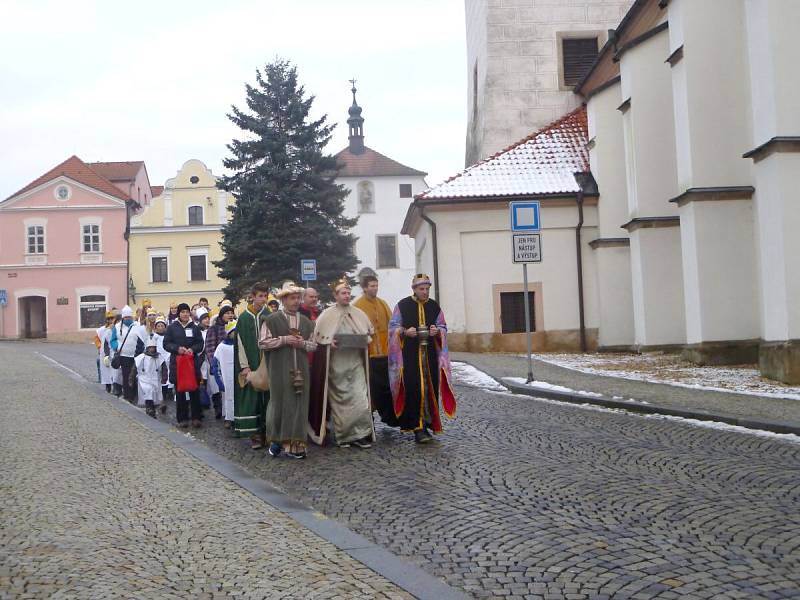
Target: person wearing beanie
(184,337)
(126,341)
(214,336)
(222,370)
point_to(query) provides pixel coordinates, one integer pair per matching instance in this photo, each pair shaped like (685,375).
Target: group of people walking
(286,371)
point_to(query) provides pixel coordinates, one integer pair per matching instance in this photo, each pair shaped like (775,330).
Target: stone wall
(514,47)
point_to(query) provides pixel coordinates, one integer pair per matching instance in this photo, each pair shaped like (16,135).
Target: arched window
(366,197)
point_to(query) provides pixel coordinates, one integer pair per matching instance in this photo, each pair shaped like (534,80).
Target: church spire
(356,123)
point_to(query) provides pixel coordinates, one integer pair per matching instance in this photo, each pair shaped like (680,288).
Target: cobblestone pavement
(94,505)
(742,405)
(529,499)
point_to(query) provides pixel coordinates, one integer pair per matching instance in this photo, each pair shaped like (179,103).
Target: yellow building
(176,237)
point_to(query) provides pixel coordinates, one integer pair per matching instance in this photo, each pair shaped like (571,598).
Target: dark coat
(175,337)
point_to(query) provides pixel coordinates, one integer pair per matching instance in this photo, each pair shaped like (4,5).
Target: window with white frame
(92,309)
(159,265)
(91,237)
(195,215)
(387,251)
(198,264)
(35,239)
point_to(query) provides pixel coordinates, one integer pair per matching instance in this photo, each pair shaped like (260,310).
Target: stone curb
(410,578)
(650,408)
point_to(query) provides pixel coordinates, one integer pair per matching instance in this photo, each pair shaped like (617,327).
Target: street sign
(524,216)
(527,247)
(3,297)
(308,269)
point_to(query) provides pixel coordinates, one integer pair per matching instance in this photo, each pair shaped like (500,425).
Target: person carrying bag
(184,341)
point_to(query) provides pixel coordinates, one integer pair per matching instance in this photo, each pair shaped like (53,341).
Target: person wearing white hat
(126,341)
(151,375)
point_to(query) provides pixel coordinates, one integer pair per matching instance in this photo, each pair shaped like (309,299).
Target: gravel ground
(97,506)
(528,499)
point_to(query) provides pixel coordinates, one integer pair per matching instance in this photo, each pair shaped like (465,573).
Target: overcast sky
(154,81)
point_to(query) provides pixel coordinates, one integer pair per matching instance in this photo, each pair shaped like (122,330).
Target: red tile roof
(118,171)
(79,171)
(156,190)
(372,164)
(544,163)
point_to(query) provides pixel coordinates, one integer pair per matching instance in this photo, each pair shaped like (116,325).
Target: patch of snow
(783,437)
(543,385)
(671,370)
(468,375)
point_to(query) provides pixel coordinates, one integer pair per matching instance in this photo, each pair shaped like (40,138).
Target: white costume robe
(224,357)
(106,372)
(149,375)
(163,354)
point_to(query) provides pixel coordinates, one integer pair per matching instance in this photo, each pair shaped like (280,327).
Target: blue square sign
(308,269)
(525,216)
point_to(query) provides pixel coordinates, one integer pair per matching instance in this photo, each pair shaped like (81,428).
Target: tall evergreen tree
(288,206)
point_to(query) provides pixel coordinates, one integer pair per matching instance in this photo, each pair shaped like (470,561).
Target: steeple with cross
(356,124)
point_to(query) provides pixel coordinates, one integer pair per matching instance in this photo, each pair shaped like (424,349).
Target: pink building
(64,249)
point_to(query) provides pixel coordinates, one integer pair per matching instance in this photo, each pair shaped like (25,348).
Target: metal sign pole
(527,320)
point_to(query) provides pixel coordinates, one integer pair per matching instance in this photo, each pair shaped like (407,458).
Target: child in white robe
(151,375)
(222,371)
(167,390)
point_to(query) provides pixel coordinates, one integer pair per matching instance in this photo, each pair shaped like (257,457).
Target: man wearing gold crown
(340,377)
(419,363)
(286,336)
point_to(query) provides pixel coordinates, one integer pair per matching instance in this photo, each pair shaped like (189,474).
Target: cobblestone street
(97,506)
(519,498)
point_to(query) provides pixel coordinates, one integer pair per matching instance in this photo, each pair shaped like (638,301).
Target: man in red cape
(419,363)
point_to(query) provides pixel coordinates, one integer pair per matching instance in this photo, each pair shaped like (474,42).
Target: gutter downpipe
(435,243)
(579,255)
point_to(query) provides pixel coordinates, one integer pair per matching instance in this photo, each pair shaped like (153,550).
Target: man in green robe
(249,404)
(285,336)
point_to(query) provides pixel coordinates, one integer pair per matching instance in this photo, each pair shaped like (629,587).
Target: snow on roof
(542,163)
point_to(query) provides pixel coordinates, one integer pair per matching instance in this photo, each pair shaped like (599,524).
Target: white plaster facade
(387,218)
(711,133)
(515,84)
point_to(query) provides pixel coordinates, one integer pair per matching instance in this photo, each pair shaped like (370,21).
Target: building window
(36,239)
(198,264)
(160,269)
(92,311)
(512,312)
(195,215)
(366,197)
(91,238)
(387,251)
(405,190)
(577,56)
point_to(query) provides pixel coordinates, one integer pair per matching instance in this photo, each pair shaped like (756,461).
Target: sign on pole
(525,216)
(527,248)
(3,297)
(308,269)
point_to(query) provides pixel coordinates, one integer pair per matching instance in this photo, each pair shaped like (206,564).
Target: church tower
(523,59)
(356,124)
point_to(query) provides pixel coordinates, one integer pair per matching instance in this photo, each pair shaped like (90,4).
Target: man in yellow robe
(379,315)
